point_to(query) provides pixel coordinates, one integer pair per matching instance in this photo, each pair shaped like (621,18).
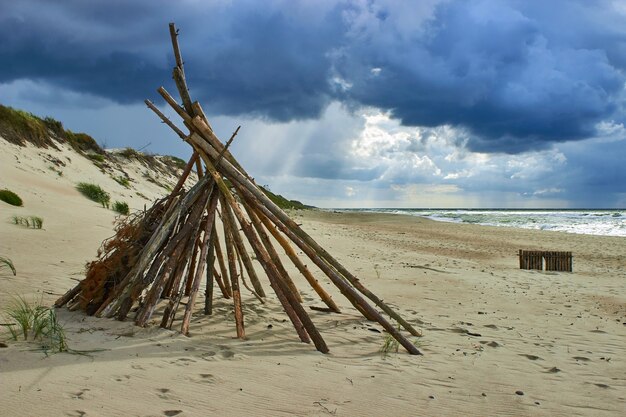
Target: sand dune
(497,340)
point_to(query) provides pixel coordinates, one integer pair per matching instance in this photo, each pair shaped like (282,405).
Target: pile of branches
(168,251)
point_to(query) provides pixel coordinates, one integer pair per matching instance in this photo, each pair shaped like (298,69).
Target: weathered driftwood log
(205,247)
(228,223)
(210,276)
(223,276)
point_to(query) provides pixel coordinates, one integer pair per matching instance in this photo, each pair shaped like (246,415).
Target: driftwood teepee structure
(163,252)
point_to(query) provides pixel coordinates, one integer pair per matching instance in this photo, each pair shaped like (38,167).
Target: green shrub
(11,198)
(18,126)
(174,161)
(130,153)
(121,207)
(55,126)
(281,201)
(82,142)
(95,193)
(96,157)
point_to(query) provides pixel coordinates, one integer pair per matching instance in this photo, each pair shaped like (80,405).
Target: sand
(497,340)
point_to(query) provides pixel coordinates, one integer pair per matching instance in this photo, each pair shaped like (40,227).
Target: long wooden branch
(265,260)
(227,221)
(189,230)
(241,250)
(165,119)
(273,254)
(161,235)
(326,298)
(224,272)
(175,293)
(210,276)
(208,232)
(348,291)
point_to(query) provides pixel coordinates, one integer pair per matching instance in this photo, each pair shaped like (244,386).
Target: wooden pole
(348,291)
(186,232)
(176,292)
(220,260)
(165,119)
(145,312)
(326,298)
(230,251)
(247,262)
(109,307)
(208,232)
(265,260)
(210,276)
(273,254)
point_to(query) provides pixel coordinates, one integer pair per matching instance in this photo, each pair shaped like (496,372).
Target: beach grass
(34,222)
(96,157)
(95,193)
(123,181)
(34,321)
(7,263)
(390,345)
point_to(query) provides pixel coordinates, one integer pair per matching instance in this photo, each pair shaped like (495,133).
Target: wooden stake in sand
(163,254)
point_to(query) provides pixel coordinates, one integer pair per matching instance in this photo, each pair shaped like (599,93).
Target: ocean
(589,222)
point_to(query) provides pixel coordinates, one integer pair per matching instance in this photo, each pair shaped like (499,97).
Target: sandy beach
(497,340)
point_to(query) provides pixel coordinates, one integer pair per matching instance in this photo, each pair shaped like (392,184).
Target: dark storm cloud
(518,75)
(496,68)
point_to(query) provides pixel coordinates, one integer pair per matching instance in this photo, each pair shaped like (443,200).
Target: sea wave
(588,222)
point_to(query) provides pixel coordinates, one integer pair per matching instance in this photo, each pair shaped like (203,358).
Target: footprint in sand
(171,413)
(531,357)
(203,379)
(581,358)
(80,395)
(165,393)
(208,356)
(121,378)
(208,378)
(553,370)
(76,413)
(227,354)
(183,361)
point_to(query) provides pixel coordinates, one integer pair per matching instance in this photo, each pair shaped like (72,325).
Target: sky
(344,104)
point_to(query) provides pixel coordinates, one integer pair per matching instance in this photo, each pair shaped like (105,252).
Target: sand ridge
(497,340)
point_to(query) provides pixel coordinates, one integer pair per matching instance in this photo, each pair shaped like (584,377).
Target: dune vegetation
(95,193)
(11,198)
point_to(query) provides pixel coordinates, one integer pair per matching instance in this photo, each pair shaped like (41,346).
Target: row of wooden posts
(546,260)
